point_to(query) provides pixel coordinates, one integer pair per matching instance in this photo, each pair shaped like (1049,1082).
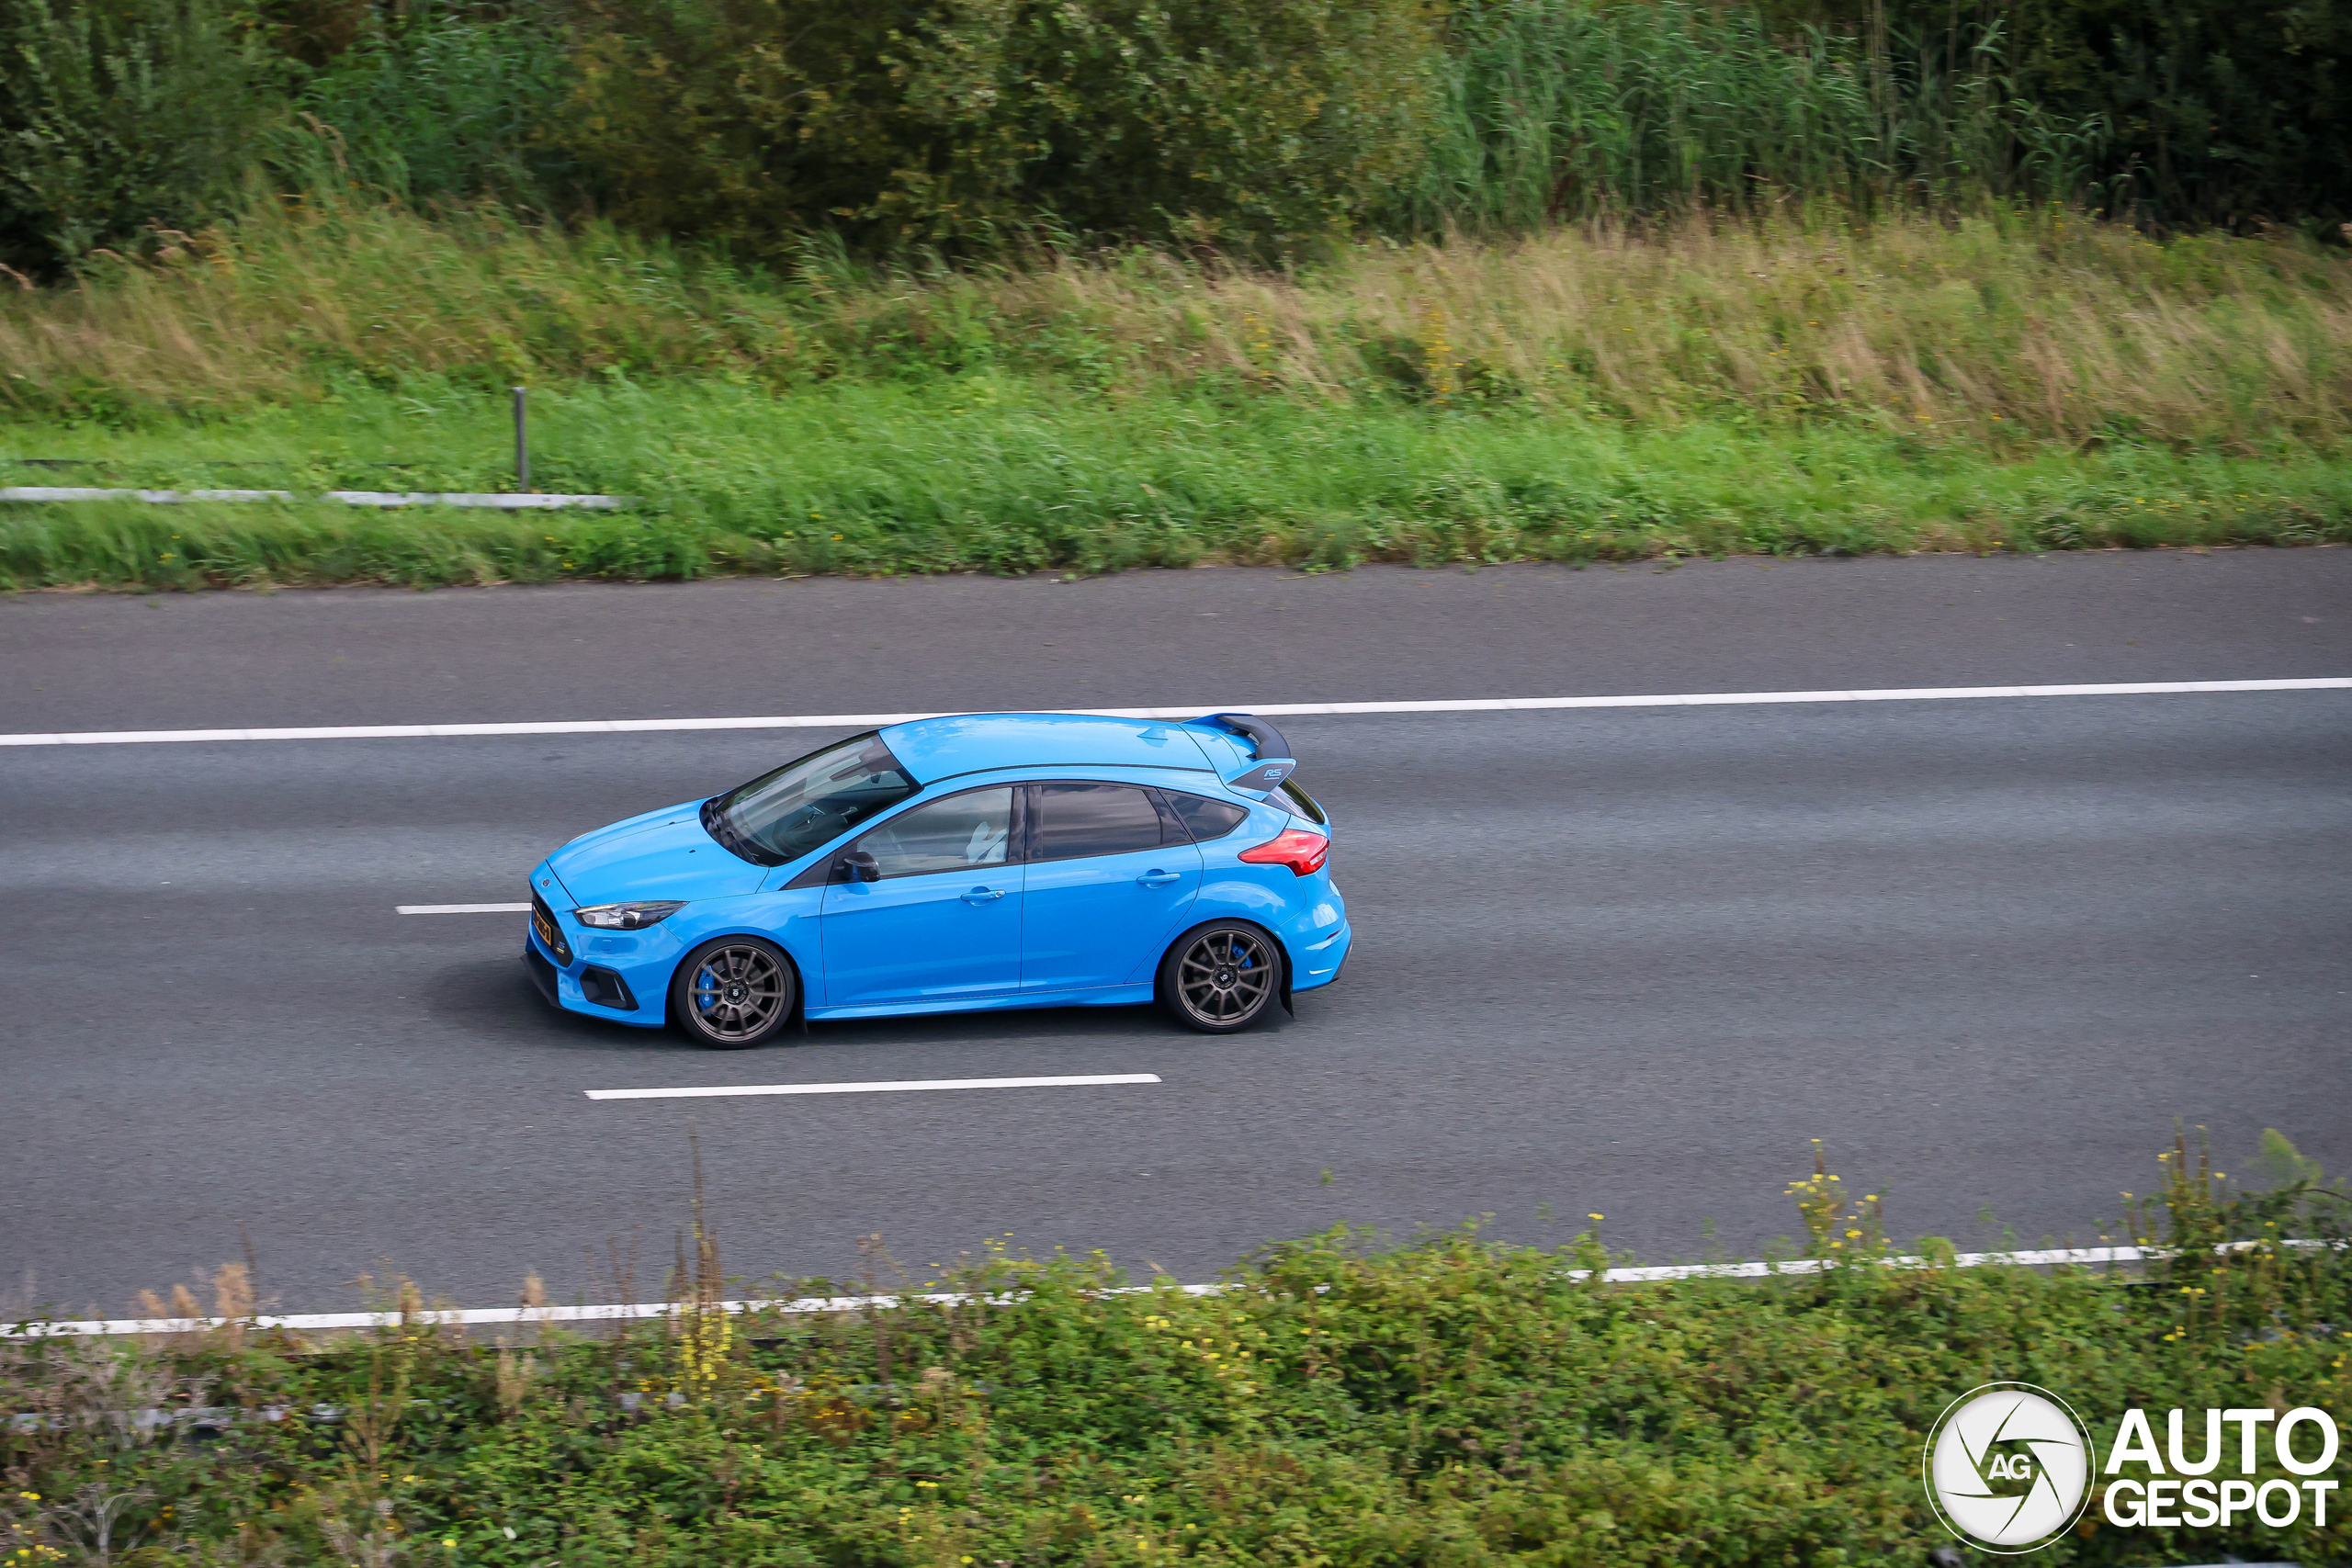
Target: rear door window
(1207,819)
(1074,820)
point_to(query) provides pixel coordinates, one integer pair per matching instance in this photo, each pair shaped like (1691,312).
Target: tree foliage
(115,116)
(947,122)
(959,125)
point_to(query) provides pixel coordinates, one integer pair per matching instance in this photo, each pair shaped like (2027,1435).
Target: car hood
(663,854)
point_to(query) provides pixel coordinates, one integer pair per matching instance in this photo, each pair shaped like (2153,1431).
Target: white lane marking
(1463,704)
(900,1087)
(623,1312)
(461,908)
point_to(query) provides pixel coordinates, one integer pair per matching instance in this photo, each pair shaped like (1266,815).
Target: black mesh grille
(543,921)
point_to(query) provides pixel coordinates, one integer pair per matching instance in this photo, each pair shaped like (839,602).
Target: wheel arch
(1289,966)
(800,969)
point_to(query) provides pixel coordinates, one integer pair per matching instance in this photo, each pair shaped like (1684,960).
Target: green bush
(2191,112)
(2221,113)
(1341,1404)
(116,117)
(969,127)
(435,103)
(967,122)
(1566,109)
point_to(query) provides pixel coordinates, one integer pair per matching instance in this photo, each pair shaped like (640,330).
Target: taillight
(1303,852)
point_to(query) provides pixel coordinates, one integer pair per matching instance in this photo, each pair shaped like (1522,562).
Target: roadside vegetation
(1344,1401)
(1792,385)
(1011,288)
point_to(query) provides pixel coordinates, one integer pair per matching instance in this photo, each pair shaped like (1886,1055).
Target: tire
(734,993)
(1222,977)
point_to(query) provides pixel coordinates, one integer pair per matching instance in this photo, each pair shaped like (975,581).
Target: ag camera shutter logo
(2007,1467)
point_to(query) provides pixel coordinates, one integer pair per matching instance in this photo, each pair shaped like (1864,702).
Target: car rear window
(1206,818)
(1298,803)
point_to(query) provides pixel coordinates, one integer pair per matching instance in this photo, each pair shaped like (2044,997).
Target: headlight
(633,916)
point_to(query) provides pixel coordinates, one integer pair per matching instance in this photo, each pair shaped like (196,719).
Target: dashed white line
(1191,710)
(900,1087)
(461,908)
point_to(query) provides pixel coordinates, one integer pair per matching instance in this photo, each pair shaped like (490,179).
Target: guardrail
(498,501)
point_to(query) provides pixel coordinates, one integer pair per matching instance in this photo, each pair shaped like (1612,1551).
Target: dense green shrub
(434,103)
(950,122)
(2221,112)
(1566,109)
(962,125)
(2205,111)
(1342,1405)
(114,118)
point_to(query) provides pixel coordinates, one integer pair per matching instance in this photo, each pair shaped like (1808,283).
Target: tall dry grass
(2010,326)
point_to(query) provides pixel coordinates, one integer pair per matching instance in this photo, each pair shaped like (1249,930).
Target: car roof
(935,749)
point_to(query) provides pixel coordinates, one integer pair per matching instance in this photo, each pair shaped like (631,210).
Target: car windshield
(782,815)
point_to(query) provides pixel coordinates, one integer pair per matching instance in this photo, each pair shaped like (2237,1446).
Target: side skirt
(1097,997)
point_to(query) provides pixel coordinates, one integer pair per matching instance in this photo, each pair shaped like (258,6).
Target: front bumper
(596,981)
(543,973)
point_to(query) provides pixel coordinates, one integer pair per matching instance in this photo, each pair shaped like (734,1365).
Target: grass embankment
(1450,1402)
(2025,381)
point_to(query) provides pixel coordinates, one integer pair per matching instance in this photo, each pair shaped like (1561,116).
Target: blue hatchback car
(953,865)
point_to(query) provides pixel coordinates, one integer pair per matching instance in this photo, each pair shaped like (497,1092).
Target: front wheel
(1221,977)
(734,993)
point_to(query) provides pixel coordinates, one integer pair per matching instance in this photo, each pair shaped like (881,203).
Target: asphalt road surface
(1617,961)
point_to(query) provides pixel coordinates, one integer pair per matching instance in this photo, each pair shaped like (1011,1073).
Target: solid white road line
(902,1087)
(1465,705)
(623,1312)
(461,908)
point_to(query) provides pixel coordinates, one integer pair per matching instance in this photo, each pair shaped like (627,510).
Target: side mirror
(858,866)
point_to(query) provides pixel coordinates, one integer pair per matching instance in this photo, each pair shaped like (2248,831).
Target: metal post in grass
(522,444)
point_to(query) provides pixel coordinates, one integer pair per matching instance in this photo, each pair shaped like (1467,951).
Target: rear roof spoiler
(1267,740)
(1271,754)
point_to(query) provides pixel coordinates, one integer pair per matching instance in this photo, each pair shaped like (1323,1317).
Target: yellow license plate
(544,927)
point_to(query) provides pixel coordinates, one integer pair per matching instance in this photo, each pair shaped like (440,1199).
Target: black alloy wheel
(1221,977)
(734,993)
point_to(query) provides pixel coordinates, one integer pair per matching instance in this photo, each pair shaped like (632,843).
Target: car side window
(964,832)
(1207,819)
(1074,820)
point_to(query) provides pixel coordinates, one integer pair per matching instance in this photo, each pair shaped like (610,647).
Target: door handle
(983,895)
(1159,878)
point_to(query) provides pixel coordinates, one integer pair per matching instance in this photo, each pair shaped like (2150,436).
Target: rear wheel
(1221,977)
(734,993)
